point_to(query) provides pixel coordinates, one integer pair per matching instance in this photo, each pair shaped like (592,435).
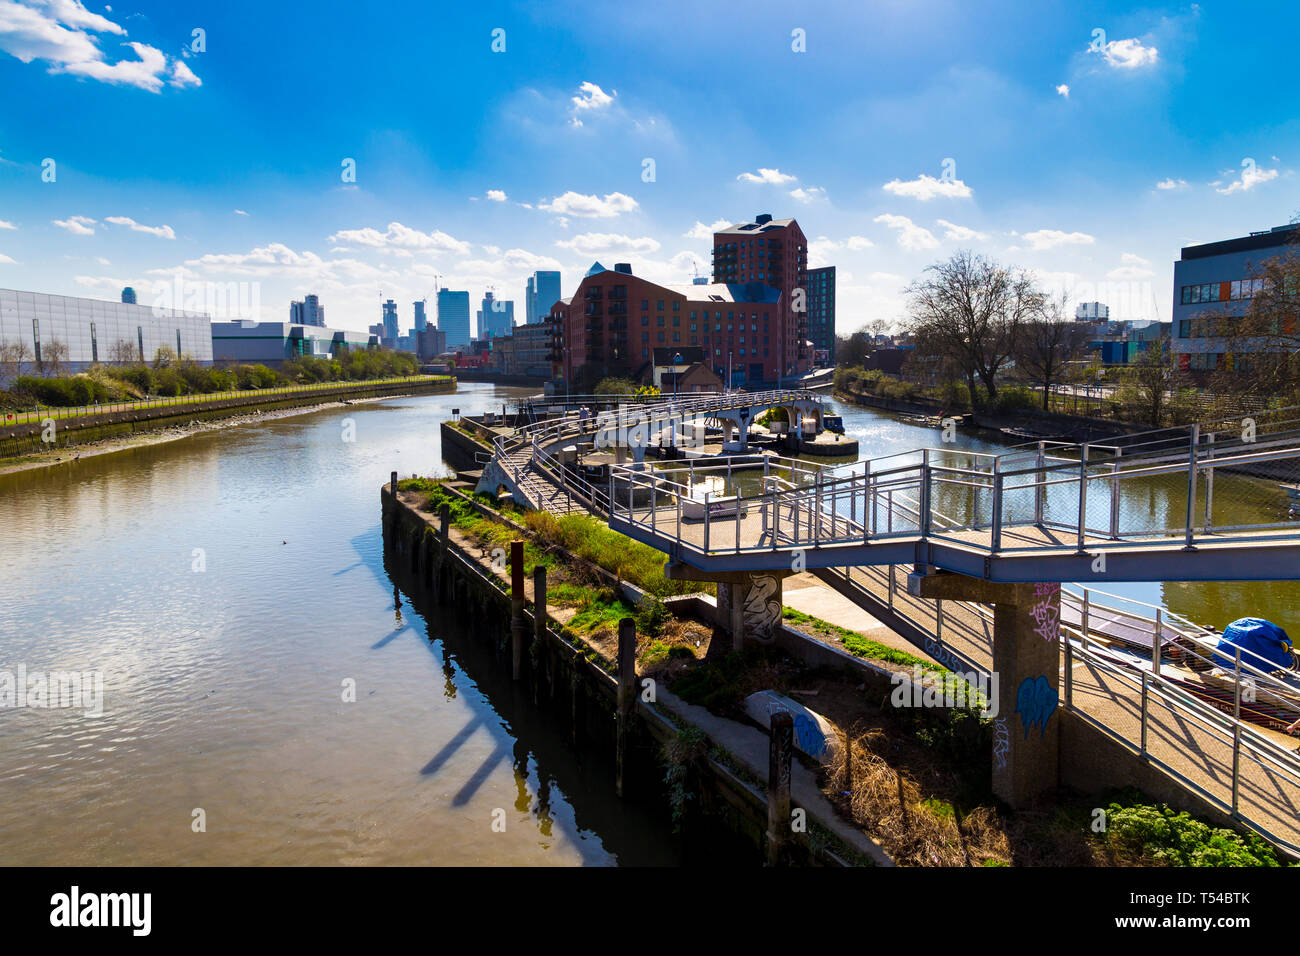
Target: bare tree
(54,357)
(971,309)
(15,359)
(1155,379)
(1048,344)
(123,352)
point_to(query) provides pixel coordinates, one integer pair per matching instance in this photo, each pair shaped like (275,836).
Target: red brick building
(774,252)
(615,320)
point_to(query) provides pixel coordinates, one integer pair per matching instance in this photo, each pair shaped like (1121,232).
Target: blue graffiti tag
(809,735)
(1035,703)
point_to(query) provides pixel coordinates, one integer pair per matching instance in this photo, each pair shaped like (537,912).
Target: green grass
(857,645)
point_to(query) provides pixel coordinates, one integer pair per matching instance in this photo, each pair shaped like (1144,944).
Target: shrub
(1015,398)
(1178,839)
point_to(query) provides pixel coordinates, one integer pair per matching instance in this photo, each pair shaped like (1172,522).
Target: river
(227,585)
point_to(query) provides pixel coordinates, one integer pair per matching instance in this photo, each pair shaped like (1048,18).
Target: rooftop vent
(623,267)
(763,217)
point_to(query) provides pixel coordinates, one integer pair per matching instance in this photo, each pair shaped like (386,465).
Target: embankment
(123,421)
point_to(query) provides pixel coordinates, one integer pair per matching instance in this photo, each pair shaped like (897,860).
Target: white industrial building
(95,330)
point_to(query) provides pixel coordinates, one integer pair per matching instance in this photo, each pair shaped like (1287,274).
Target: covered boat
(1263,644)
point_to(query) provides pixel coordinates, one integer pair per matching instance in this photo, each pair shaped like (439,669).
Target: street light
(677,360)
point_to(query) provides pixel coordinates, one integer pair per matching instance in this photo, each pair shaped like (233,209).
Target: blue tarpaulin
(1254,636)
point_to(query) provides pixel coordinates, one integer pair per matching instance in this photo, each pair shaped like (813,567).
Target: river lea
(227,585)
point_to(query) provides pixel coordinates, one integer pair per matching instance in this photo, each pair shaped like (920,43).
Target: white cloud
(513,262)
(773,176)
(596,243)
(1132,259)
(496,195)
(911,237)
(1134,267)
(857,243)
(7,225)
(1171,183)
(183,76)
(1063,90)
(926,188)
(1251,176)
(1128,54)
(162,232)
(590,207)
(61,33)
(809,194)
(399,238)
(77,225)
(592,97)
(240,212)
(701,231)
(959,233)
(1050,238)
(5,260)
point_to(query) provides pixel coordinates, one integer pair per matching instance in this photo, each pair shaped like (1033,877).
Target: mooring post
(780,752)
(444,531)
(626,693)
(539,602)
(518,631)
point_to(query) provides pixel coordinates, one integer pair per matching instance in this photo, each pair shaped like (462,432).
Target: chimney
(763,218)
(623,267)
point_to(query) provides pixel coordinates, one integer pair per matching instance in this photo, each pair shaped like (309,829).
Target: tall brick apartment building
(744,321)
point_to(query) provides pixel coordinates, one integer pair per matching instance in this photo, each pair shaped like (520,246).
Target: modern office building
(1091,312)
(773,252)
(496,318)
(615,319)
(272,343)
(453,317)
(421,322)
(391,332)
(542,293)
(128,296)
(820,301)
(1218,277)
(85,332)
(429,343)
(307,312)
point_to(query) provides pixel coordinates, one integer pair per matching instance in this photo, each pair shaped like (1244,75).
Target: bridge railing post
(1039,489)
(1190,531)
(1209,482)
(925,493)
(1236,733)
(1083,496)
(995,541)
(1156,642)
(707,509)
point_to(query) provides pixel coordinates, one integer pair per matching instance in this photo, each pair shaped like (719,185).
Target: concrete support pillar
(749,603)
(1025,678)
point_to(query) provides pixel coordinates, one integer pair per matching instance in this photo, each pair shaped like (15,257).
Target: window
(645,304)
(677,336)
(677,307)
(1185,329)
(661,305)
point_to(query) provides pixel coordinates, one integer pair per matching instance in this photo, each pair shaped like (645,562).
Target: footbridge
(964,554)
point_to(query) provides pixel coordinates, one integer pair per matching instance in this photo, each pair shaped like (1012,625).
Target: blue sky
(1085,141)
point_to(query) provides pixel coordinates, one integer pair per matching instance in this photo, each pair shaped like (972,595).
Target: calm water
(223,686)
(227,585)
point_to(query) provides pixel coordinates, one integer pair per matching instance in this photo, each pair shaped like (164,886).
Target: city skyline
(1080,168)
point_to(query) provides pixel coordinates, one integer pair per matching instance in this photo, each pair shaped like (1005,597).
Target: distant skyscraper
(820,303)
(543,292)
(496,318)
(453,317)
(128,296)
(312,313)
(390,324)
(421,323)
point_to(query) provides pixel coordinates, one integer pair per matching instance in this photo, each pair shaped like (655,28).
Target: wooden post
(518,631)
(444,532)
(780,752)
(539,602)
(393,485)
(626,693)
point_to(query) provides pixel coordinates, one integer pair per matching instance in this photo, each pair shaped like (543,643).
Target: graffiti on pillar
(1047,611)
(762,608)
(1036,701)
(1001,743)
